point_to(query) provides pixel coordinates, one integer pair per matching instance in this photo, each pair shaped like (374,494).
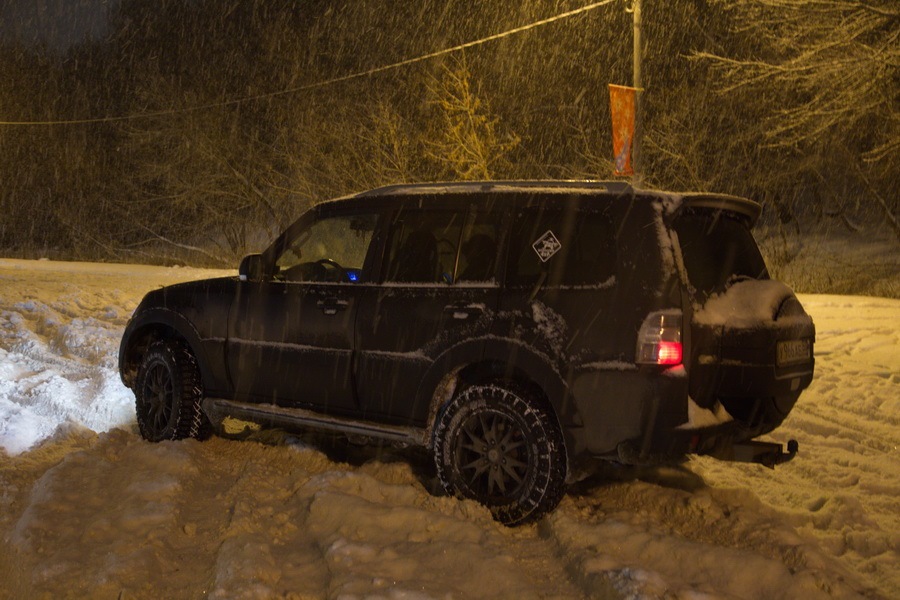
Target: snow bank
(91,510)
(60,326)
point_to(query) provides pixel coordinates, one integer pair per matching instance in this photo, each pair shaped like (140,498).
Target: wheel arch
(150,326)
(462,366)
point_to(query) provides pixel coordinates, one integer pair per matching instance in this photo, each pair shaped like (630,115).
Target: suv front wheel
(168,394)
(499,445)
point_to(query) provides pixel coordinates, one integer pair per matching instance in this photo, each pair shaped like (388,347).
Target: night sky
(56,23)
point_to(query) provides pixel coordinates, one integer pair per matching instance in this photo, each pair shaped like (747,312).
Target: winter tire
(168,394)
(499,445)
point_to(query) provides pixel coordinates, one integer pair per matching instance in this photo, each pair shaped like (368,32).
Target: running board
(270,415)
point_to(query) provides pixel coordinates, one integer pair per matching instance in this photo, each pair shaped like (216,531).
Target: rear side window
(443,246)
(562,247)
(477,261)
(717,249)
(423,245)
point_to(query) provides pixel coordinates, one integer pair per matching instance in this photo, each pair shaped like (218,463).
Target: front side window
(443,246)
(330,249)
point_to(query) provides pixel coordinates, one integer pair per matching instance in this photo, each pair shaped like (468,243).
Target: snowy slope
(87,509)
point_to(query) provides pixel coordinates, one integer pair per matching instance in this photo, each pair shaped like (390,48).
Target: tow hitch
(768,454)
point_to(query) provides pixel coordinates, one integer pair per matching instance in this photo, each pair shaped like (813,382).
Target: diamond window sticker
(546,246)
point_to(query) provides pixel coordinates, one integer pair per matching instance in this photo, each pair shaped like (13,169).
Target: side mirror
(251,268)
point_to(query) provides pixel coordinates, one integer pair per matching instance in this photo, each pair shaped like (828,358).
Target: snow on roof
(534,186)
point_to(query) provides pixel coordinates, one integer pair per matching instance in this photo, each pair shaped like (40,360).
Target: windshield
(718,249)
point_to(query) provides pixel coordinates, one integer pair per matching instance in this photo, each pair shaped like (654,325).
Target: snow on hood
(750,303)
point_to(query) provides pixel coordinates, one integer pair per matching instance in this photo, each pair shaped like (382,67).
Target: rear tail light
(659,340)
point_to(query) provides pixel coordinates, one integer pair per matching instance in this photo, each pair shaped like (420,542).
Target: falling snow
(91,510)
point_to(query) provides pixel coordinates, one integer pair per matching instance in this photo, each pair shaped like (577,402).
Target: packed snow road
(88,509)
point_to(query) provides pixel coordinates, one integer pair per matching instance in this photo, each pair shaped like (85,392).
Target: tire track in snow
(661,532)
(338,530)
(842,488)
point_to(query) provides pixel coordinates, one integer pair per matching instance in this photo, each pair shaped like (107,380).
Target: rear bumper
(727,441)
(644,415)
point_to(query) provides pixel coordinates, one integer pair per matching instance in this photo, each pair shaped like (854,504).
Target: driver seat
(417,258)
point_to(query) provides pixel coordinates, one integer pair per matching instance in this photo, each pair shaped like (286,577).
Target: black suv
(514,329)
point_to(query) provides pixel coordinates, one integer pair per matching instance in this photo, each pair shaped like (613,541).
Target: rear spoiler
(736,204)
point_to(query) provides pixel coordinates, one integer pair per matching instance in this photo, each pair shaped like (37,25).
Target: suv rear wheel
(168,394)
(498,444)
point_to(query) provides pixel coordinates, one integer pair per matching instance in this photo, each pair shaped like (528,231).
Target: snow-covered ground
(87,509)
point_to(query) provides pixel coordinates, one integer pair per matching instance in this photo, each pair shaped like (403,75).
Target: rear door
(561,278)
(439,289)
(751,340)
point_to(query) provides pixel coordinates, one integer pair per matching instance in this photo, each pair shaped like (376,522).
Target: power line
(320,84)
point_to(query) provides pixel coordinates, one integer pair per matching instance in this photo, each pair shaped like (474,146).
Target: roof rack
(616,187)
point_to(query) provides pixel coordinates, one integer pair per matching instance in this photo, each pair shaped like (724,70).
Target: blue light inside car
(352,276)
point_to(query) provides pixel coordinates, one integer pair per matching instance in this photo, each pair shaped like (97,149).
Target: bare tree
(828,70)
(469,142)
(839,57)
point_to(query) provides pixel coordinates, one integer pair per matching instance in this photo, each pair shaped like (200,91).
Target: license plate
(793,351)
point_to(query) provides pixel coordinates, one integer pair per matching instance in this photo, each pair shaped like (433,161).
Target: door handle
(462,312)
(331,306)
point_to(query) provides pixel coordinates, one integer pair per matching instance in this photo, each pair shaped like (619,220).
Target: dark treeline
(242,130)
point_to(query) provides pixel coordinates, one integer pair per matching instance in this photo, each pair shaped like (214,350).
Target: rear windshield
(718,249)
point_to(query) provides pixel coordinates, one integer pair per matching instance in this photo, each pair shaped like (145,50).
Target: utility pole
(636,84)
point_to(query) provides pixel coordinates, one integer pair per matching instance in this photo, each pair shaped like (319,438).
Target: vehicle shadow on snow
(339,449)
(673,476)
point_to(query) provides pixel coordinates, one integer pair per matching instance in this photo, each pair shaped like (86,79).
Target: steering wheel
(333,264)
